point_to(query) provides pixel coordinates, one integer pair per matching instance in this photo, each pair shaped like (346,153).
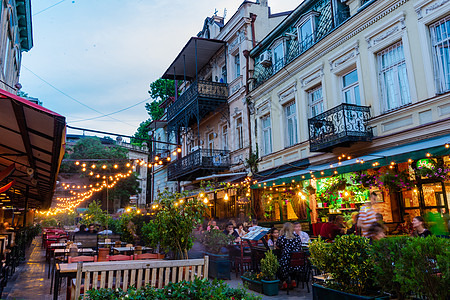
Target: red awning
(33,138)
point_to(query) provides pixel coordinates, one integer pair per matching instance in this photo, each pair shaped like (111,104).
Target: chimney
(263,3)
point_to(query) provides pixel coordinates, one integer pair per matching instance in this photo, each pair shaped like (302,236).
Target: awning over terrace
(33,139)
(197,51)
(417,150)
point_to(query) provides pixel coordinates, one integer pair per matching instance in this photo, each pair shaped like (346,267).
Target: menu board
(256,234)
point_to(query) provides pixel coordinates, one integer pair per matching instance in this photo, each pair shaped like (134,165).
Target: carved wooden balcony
(339,127)
(201,98)
(200,162)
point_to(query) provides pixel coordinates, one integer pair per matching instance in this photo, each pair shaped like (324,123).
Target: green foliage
(348,260)
(174,221)
(195,290)
(95,215)
(252,161)
(423,267)
(141,132)
(49,222)
(160,91)
(124,188)
(130,227)
(114,225)
(215,239)
(269,266)
(386,253)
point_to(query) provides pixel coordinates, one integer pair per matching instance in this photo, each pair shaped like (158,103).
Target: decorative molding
(288,93)
(337,61)
(396,24)
(308,80)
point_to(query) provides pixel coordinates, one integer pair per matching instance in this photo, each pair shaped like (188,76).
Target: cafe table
(129,249)
(62,245)
(65,270)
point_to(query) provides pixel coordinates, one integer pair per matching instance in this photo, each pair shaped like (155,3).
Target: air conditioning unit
(195,148)
(266,59)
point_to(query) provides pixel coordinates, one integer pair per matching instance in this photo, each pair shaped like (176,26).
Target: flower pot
(219,266)
(342,205)
(103,254)
(319,205)
(325,204)
(352,205)
(270,288)
(256,286)
(321,292)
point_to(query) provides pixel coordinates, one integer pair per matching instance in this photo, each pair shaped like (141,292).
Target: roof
(184,63)
(23,9)
(32,137)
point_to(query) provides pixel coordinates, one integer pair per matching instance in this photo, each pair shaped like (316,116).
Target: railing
(294,48)
(342,124)
(206,89)
(199,161)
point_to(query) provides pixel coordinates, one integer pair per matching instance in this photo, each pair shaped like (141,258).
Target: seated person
(254,225)
(330,230)
(303,235)
(212,225)
(419,226)
(274,234)
(92,229)
(229,230)
(240,230)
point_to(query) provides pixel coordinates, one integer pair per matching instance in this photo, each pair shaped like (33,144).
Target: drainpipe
(247,62)
(253,18)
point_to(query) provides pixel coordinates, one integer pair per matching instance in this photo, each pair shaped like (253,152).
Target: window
(393,77)
(306,35)
(440,40)
(239,133)
(237,66)
(315,99)
(350,88)
(267,135)
(278,57)
(224,75)
(291,124)
(211,140)
(225,137)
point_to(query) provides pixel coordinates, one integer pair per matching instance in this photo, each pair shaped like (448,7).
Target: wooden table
(126,249)
(64,270)
(62,245)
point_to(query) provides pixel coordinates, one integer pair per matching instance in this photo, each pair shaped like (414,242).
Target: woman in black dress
(288,242)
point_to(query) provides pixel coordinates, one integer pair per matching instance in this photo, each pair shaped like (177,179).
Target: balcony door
(210,142)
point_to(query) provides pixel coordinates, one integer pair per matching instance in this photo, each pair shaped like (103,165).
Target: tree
(160,91)
(95,215)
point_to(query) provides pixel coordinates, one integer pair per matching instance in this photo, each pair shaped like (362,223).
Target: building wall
(355,44)
(13,31)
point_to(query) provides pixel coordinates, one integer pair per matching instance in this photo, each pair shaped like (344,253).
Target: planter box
(253,285)
(320,292)
(219,266)
(270,288)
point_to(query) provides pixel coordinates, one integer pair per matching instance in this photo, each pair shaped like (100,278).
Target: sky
(93,58)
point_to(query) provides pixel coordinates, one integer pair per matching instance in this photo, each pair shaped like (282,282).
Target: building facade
(15,37)
(210,117)
(344,89)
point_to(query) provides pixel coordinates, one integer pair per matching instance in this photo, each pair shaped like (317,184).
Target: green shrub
(269,266)
(423,267)
(347,260)
(386,253)
(215,240)
(195,290)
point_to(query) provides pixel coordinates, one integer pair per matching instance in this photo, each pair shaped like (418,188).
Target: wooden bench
(139,273)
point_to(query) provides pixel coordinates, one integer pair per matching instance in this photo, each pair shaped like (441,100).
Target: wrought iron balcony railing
(200,162)
(339,126)
(198,91)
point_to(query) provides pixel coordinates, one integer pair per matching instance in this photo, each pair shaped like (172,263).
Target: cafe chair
(119,257)
(300,263)
(242,262)
(83,258)
(148,256)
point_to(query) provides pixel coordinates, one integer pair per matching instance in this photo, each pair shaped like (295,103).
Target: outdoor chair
(83,258)
(119,257)
(300,261)
(242,261)
(148,256)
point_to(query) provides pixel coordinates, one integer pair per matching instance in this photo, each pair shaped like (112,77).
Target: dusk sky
(104,54)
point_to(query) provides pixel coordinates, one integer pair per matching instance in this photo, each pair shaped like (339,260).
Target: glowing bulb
(128,209)
(226,197)
(179,150)
(156,157)
(168,159)
(202,195)
(77,163)
(174,153)
(447,146)
(116,166)
(428,154)
(205,200)
(128,165)
(104,167)
(138,211)
(346,194)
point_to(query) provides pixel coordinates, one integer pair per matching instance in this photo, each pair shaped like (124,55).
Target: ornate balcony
(199,163)
(339,126)
(201,98)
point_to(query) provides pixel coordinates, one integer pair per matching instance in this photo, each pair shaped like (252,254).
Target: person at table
(376,232)
(419,226)
(303,235)
(229,230)
(254,225)
(354,227)
(288,242)
(367,215)
(212,225)
(240,230)
(82,229)
(330,230)
(272,241)
(92,229)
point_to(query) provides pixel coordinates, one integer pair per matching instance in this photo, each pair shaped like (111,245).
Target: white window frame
(278,66)
(210,139)
(293,118)
(350,87)
(239,133)
(313,103)
(225,137)
(310,19)
(237,65)
(441,71)
(266,132)
(394,68)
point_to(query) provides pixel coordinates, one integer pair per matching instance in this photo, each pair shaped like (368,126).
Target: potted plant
(349,262)
(219,262)
(269,268)
(252,281)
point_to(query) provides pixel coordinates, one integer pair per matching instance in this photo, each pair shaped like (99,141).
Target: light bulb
(226,197)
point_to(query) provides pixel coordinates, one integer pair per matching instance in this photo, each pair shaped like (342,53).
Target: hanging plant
(432,169)
(396,180)
(365,179)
